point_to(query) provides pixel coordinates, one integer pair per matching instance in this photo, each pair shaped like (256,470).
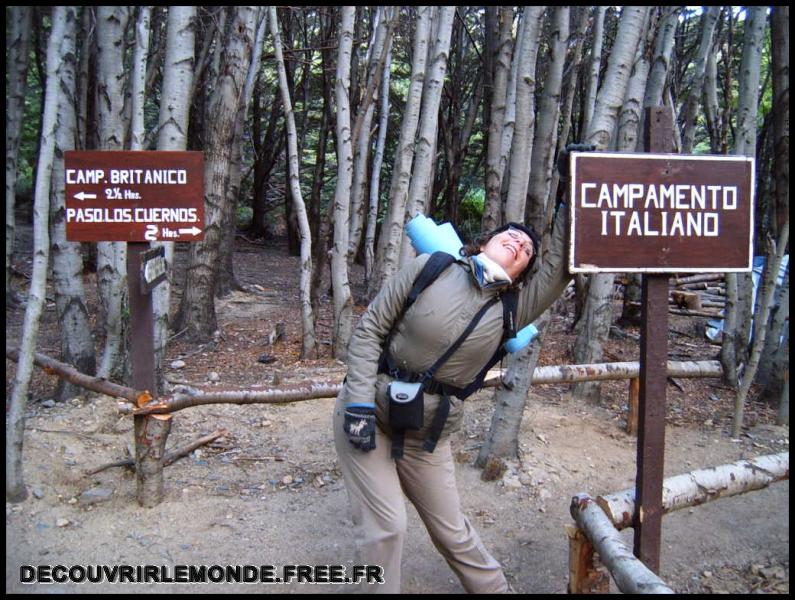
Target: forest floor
(270,490)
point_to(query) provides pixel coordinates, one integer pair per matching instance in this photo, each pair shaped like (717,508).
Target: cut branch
(171,456)
(72,375)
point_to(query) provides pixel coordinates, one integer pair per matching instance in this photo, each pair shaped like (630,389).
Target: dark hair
(474,247)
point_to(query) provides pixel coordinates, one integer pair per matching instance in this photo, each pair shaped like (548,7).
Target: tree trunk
(503,436)
(111,127)
(361,134)
(594,325)
(226,275)
(178,75)
(15,420)
(343,302)
(522,145)
(492,211)
(739,313)
(708,21)
(16,69)
(425,147)
(308,341)
(596,62)
(197,308)
(378,159)
(390,240)
(77,344)
(777,351)
(546,134)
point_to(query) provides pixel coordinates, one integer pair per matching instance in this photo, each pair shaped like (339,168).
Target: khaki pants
(376,483)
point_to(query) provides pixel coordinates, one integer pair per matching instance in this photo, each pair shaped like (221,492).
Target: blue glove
(360,426)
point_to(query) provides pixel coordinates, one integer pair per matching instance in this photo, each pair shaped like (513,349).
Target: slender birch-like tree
(421,182)
(343,301)
(17,53)
(708,21)
(510,399)
(378,158)
(15,414)
(197,308)
(390,240)
(492,209)
(308,341)
(594,325)
(172,134)
(111,128)
(522,146)
(77,344)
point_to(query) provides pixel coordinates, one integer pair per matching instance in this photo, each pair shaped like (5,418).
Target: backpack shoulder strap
(510,301)
(437,263)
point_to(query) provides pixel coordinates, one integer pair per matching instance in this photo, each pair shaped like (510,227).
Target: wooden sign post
(138,197)
(658,214)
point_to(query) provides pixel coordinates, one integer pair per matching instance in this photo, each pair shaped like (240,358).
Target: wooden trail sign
(138,197)
(134,196)
(661,213)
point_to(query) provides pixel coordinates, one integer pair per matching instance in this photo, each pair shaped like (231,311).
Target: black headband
(530,233)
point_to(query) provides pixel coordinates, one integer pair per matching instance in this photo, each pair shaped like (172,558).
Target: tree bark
(629,573)
(595,64)
(15,420)
(739,308)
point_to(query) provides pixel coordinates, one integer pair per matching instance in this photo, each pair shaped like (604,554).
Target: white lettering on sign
(128,176)
(634,209)
(149,176)
(84,175)
(129,215)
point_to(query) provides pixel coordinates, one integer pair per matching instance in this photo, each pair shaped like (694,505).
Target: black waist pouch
(406,405)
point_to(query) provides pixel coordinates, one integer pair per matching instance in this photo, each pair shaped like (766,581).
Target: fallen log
(629,573)
(695,313)
(696,278)
(170,457)
(703,485)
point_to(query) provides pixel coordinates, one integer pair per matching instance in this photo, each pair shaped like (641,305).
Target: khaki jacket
(436,320)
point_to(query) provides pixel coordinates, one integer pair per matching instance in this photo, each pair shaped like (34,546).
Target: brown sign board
(134,196)
(660,213)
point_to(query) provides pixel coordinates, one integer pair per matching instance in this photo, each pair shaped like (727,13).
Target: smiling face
(512,249)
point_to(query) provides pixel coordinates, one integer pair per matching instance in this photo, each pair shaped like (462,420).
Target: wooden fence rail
(599,521)
(141,403)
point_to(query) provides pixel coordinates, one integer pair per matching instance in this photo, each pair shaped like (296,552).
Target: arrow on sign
(84,196)
(192,231)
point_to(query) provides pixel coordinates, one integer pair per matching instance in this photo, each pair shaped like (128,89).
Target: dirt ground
(270,490)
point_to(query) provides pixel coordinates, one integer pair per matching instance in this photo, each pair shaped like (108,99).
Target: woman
(416,340)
